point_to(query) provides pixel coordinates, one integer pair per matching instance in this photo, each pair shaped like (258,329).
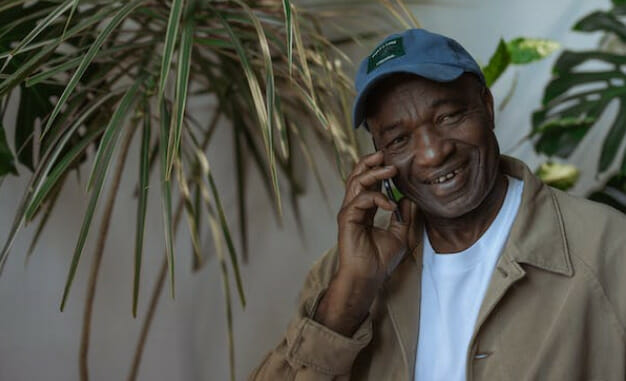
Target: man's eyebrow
(447,101)
(390,127)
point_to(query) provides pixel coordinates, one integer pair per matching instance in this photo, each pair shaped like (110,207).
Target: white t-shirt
(453,287)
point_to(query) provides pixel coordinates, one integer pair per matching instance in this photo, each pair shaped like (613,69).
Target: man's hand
(367,254)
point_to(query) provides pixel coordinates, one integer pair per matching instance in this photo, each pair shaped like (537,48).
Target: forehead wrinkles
(405,101)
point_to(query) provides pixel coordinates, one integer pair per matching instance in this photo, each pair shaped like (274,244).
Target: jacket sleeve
(309,350)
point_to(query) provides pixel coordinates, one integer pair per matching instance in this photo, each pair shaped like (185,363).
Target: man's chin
(447,210)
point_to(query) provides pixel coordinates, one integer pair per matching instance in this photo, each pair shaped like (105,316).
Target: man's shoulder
(595,232)
(586,216)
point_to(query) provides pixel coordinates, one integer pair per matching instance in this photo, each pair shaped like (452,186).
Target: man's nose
(431,147)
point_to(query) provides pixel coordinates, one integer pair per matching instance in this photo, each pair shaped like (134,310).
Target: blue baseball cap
(415,51)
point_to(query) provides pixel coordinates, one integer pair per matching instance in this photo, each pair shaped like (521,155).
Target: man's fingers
(368,181)
(366,162)
(401,228)
(361,208)
(405,206)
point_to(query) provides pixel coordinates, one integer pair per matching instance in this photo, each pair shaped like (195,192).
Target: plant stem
(95,265)
(154,301)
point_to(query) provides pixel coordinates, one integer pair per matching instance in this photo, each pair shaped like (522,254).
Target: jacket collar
(537,236)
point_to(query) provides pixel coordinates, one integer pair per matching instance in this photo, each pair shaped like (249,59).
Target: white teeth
(447,176)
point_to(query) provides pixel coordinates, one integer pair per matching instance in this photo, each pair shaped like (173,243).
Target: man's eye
(397,141)
(450,118)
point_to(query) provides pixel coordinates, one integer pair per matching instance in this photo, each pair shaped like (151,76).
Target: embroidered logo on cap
(386,51)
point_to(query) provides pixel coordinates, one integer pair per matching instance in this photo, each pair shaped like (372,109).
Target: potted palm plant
(92,76)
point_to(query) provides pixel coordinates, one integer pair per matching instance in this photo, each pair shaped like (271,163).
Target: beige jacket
(555,307)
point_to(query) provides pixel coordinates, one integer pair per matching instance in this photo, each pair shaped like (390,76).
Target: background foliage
(583,86)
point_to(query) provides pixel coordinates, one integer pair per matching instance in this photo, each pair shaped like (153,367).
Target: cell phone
(389,191)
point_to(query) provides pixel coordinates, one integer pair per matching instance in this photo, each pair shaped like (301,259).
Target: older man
(483,273)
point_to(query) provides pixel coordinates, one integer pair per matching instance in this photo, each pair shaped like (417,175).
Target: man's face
(440,137)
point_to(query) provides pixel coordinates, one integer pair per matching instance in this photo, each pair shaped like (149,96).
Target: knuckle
(341,215)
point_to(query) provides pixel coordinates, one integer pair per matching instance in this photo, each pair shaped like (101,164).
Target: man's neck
(457,234)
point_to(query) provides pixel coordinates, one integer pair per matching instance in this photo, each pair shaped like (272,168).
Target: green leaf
(142,202)
(614,138)
(10,4)
(37,180)
(25,67)
(72,63)
(182,83)
(166,195)
(190,213)
(498,63)
(289,33)
(568,60)
(222,222)
(35,104)
(43,24)
(575,99)
(560,176)
(98,175)
(197,262)
(112,131)
(60,171)
(623,167)
(19,21)
(268,135)
(241,190)
(259,103)
(602,21)
(302,57)
(69,18)
(257,157)
(51,202)
(44,180)
(565,82)
(253,83)
(526,50)
(219,251)
(613,193)
(7,161)
(561,136)
(608,199)
(89,56)
(171,35)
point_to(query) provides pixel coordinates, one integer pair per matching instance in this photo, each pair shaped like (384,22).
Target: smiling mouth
(447,176)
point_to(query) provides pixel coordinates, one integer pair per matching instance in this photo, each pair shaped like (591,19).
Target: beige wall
(188,340)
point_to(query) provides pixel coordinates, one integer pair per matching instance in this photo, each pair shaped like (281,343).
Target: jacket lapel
(531,239)
(402,293)
(506,273)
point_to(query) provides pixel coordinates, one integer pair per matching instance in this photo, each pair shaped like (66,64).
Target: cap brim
(435,72)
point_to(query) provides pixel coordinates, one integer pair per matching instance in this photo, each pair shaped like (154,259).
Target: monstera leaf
(613,193)
(575,99)
(519,51)
(560,176)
